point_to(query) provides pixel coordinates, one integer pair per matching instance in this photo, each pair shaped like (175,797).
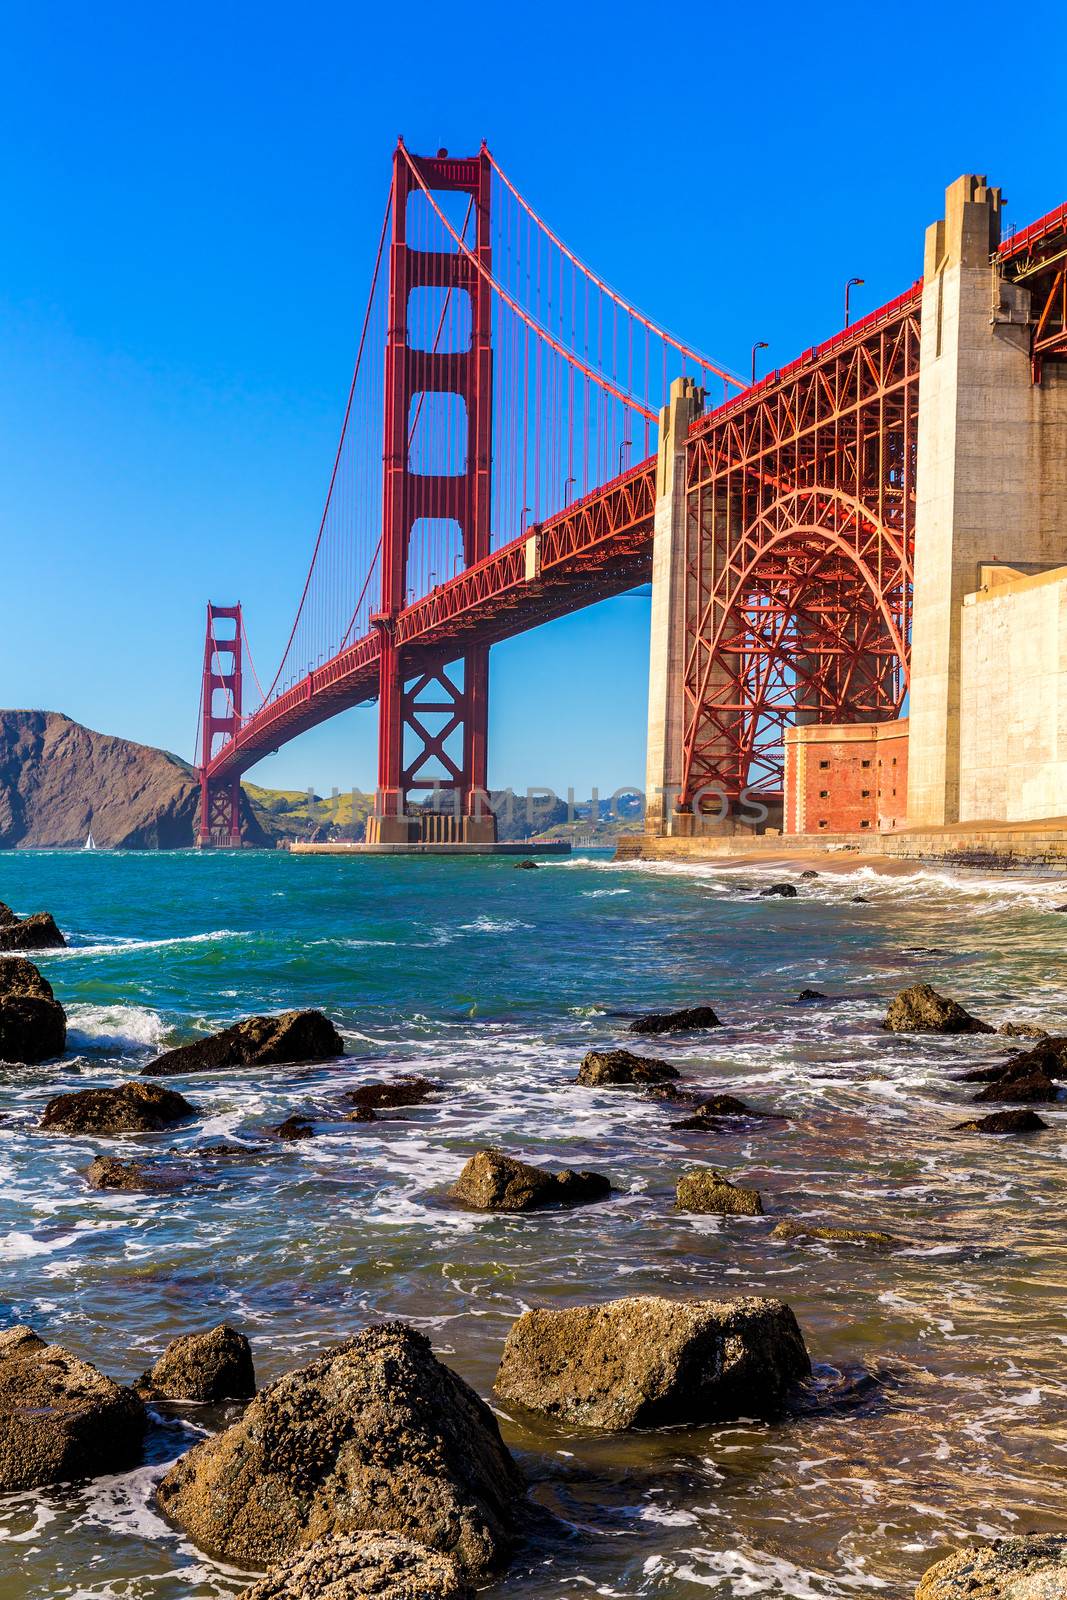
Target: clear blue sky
(190,199)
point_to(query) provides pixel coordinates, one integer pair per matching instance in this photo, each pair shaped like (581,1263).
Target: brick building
(846,777)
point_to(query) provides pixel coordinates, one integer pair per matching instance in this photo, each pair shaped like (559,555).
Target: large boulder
(600,1067)
(211,1366)
(363,1566)
(711,1193)
(492,1181)
(59,1417)
(254,1042)
(19,977)
(1033,1567)
(129,1108)
(36,932)
(687,1021)
(921,1009)
(646,1362)
(374,1434)
(33,1025)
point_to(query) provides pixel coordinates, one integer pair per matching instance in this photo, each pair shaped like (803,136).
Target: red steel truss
(1036,259)
(798,555)
(598,547)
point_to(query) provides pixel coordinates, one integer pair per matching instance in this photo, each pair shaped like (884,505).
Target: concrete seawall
(992,845)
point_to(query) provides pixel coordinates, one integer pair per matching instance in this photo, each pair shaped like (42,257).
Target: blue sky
(191,197)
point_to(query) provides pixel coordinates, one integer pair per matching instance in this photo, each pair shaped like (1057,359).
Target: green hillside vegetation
(295,814)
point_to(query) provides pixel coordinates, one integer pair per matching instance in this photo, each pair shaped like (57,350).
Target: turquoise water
(939,1408)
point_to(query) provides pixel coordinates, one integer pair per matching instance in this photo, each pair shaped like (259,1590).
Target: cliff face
(58,780)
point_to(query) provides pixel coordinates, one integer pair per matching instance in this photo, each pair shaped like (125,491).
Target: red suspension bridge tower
(432,729)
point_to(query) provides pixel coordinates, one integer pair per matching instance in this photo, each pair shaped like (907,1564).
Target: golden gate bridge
(498,467)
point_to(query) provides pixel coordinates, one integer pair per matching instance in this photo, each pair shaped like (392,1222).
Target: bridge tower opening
(433,710)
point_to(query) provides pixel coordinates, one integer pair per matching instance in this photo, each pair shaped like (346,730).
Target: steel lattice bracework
(220,716)
(798,556)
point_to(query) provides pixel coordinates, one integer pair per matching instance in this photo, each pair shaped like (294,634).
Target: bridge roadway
(598,547)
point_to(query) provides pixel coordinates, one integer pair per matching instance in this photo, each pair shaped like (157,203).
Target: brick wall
(846,777)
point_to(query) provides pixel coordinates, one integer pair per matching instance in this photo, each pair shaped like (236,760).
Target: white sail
(90,843)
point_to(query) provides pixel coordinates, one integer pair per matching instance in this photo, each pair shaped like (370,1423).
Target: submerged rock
(781,891)
(1023,1030)
(714,1114)
(60,1418)
(1025,1088)
(363,1566)
(391,1092)
(921,1009)
(1033,1567)
(292,1036)
(809,872)
(646,1362)
(108,1172)
(812,994)
(1003,1122)
(527,866)
(33,1025)
(601,1067)
(713,1194)
(36,932)
(130,1108)
(375,1434)
(222,1152)
(211,1366)
(809,1230)
(361,1114)
(492,1181)
(687,1021)
(294,1127)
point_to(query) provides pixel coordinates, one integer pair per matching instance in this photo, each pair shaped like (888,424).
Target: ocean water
(938,1410)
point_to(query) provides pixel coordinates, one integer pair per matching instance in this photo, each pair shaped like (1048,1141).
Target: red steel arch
(798,554)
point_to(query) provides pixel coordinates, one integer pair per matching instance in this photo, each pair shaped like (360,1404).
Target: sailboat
(90,843)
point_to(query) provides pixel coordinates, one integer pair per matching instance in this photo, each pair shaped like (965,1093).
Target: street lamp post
(761,345)
(853,283)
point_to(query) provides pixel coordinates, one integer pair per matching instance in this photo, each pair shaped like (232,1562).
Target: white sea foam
(120,946)
(486,924)
(16,1246)
(116,1026)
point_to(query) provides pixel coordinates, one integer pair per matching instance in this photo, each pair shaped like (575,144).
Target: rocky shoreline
(378,1421)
